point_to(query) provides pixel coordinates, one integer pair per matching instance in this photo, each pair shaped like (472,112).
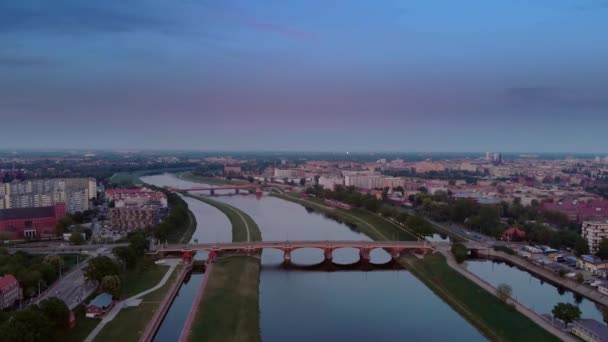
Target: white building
(594,232)
(330,182)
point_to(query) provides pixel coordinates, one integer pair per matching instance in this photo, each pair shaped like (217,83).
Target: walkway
(132,301)
(536,318)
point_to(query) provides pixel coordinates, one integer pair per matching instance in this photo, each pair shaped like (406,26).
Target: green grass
(495,319)
(237,218)
(136,282)
(229,309)
(134,177)
(211,180)
(82,329)
(184,234)
(131,322)
(372,225)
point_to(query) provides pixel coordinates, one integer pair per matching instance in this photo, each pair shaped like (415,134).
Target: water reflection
(531,291)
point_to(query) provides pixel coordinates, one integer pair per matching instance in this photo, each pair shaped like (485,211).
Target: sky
(314,75)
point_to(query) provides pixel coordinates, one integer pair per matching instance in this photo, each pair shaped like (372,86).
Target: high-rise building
(74,192)
(594,232)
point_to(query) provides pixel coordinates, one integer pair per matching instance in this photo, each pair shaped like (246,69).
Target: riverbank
(481,308)
(372,225)
(569,284)
(244,227)
(126,178)
(229,308)
(210,180)
(495,319)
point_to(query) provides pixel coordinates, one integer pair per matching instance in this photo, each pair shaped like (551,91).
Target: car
(588,281)
(596,283)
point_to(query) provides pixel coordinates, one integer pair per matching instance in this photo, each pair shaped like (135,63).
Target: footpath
(131,301)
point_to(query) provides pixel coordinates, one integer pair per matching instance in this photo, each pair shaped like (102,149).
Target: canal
(530,290)
(316,305)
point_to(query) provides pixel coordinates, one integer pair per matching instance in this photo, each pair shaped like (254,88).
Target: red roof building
(10,291)
(27,223)
(513,234)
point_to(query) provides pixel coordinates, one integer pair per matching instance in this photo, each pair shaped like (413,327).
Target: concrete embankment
(187,329)
(164,307)
(569,284)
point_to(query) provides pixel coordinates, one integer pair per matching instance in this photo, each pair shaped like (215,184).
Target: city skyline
(306,76)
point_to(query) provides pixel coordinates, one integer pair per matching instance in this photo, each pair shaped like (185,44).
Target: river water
(317,305)
(531,291)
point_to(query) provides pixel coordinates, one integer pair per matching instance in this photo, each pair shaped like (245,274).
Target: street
(72,288)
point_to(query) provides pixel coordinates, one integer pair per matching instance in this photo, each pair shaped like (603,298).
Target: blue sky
(509,75)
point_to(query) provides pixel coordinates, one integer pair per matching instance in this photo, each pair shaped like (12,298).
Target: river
(531,291)
(317,305)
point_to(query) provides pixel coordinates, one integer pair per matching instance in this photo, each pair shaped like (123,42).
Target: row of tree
(43,322)
(34,273)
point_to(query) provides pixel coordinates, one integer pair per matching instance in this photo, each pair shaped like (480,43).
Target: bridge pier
(329,255)
(395,253)
(236,191)
(287,255)
(364,254)
(212,192)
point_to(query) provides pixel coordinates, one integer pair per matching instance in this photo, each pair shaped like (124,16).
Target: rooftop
(102,300)
(26,213)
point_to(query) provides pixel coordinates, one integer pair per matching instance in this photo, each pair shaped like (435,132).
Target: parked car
(596,283)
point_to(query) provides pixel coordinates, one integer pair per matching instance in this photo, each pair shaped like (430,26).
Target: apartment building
(594,232)
(330,182)
(74,192)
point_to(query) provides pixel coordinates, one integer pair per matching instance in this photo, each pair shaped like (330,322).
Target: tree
(579,278)
(56,311)
(127,254)
(602,251)
(76,238)
(54,260)
(62,225)
(302,181)
(460,252)
(503,292)
(138,242)
(566,312)
(29,325)
(581,246)
(100,267)
(111,284)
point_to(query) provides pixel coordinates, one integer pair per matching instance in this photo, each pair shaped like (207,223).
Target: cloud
(76,17)
(25,61)
(556,97)
(255,23)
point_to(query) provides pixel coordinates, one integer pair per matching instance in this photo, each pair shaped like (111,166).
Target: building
(288,173)
(99,305)
(592,264)
(136,197)
(232,170)
(594,232)
(74,193)
(134,217)
(30,223)
(513,234)
(590,330)
(330,182)
(10,292)
(580,211)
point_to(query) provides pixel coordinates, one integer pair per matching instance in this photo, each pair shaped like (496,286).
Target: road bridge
(364,247)
(212,189)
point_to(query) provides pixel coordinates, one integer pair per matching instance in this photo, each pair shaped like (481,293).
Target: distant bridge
(364,247)
(212,189)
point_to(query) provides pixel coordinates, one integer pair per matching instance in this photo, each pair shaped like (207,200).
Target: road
(72,288)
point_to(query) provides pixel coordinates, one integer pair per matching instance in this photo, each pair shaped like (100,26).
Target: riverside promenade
(165,305)
(187,329)
(536,318)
